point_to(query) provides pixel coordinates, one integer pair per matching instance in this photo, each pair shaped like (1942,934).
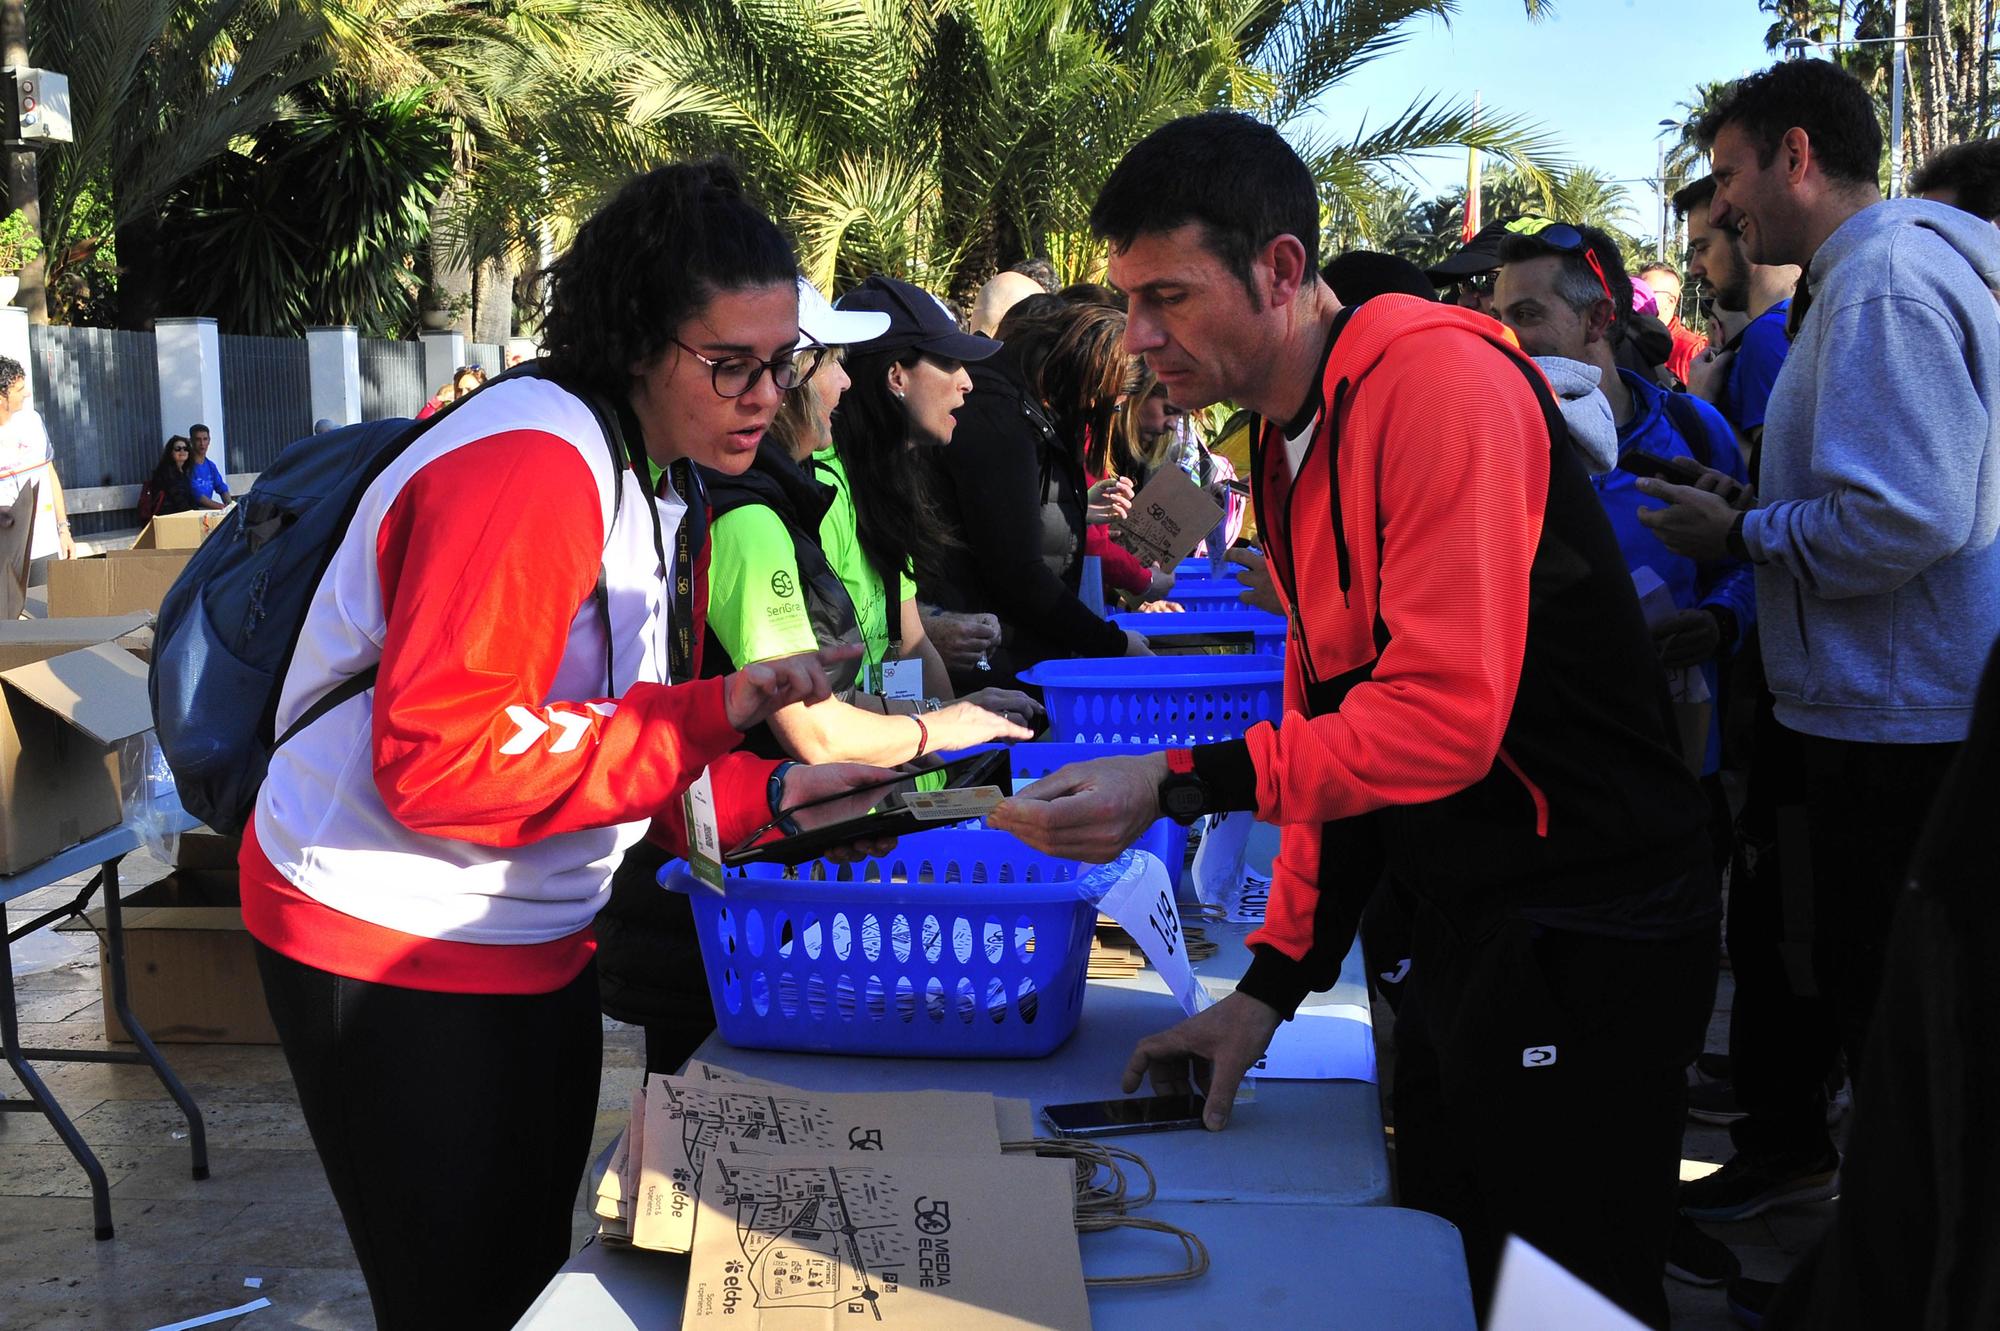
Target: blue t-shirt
(1760,354)
(205,479)
(1729,584)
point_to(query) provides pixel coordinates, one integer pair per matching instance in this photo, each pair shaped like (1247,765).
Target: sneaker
(1714,1102)
(1749,1299)
(1696,1257)
(1747,1186)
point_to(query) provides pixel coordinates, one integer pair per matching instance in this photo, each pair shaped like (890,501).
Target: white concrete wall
(190,359)
(334,357)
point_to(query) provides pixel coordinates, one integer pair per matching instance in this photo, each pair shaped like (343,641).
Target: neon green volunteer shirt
(755,602)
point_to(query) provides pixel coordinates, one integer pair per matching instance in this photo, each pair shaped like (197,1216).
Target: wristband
(1734,542)
(774,795)
(923,737)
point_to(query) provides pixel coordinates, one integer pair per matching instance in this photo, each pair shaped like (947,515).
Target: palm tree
(1814,20)
(160,90)
(938,141)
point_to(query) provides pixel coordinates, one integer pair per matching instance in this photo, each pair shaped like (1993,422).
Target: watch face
(1181,797)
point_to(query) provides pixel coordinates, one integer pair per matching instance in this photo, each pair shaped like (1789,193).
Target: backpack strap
(622,456)
(1692,426)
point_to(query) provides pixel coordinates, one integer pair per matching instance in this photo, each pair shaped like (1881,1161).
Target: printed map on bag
(1015,1119)
(689,1122)
(909,1243)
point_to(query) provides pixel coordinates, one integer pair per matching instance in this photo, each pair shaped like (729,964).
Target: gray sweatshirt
(1878,580)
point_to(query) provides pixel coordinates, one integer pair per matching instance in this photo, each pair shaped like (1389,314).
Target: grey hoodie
(1585,410)
(1878,581)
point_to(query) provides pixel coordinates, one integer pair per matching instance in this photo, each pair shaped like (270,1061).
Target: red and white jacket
(455,828)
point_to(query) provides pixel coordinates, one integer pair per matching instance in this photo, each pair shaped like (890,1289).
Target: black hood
(776,482)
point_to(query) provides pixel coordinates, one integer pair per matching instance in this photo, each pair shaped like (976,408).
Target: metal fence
(392,379)
(266,397)
(486,356)
(98,390)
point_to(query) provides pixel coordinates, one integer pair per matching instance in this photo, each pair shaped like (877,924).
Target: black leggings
(454,1129)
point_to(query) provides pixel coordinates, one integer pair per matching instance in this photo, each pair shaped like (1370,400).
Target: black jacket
(1013,497)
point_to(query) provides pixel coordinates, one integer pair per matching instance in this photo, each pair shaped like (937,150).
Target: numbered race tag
(704,842)
(1218,863)
(1140,898)
(902,680)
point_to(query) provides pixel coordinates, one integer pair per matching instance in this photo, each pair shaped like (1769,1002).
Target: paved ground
(184,1248)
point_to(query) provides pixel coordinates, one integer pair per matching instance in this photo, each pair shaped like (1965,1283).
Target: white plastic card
(704,841)
(900,680)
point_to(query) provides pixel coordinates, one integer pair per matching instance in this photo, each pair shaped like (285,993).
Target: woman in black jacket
(170,488)
(1011,491)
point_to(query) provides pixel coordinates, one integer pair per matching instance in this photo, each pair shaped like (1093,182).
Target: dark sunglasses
(1563,236)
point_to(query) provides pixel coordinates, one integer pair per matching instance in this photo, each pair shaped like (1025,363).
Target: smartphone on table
(1112,1118)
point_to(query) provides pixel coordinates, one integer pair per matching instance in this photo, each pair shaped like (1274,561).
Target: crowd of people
(1590,615)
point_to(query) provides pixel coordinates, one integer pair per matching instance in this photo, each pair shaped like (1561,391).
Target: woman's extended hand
(1010,703)
(1109,500)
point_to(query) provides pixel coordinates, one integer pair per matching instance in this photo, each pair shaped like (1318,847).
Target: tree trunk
(493,302)
(141,273)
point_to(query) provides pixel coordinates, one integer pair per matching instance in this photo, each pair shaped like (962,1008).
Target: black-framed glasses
(1563,236)
(733,376)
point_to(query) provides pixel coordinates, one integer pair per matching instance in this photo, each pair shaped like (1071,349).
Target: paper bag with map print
(688,1121)
(886,1243)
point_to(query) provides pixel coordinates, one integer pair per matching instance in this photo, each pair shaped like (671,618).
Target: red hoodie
(1466,656)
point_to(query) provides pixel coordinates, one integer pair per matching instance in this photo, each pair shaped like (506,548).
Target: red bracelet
(923,736)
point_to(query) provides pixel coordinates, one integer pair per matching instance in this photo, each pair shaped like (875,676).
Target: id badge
(902,680)
(704,841)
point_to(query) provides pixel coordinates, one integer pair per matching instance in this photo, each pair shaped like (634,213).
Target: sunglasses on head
(1562,236)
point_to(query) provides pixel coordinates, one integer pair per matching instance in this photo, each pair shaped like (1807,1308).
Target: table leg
(10,1039)
(114,947)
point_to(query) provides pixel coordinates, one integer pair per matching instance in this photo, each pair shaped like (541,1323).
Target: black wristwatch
(1183,794)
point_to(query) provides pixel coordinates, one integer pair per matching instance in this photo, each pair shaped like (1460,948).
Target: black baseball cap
(916,319)
(1479,255)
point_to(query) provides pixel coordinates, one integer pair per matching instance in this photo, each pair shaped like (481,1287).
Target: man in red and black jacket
(1473,708)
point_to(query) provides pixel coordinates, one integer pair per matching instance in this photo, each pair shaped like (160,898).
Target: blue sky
(1600,75)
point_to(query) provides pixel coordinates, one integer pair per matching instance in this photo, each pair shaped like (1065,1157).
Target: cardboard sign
(902,1243)
(1169,518)
(690,1122)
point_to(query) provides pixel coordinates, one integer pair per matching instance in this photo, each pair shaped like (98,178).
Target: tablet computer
(974,783)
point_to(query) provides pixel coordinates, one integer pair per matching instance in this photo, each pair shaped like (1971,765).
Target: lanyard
(680,608)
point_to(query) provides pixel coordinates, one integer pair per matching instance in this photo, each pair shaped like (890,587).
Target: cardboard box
(62,715)
(114,584)
(26,640)
(190,966)
(180,531)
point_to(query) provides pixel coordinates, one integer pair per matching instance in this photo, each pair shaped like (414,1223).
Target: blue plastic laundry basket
(1165,840)
(1199,567)
(1158,700)
(1204,594)
(960,943)
(1256,630)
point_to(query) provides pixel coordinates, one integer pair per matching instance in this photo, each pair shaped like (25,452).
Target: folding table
(104,851)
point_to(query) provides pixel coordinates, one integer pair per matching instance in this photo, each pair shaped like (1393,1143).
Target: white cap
(820,322)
